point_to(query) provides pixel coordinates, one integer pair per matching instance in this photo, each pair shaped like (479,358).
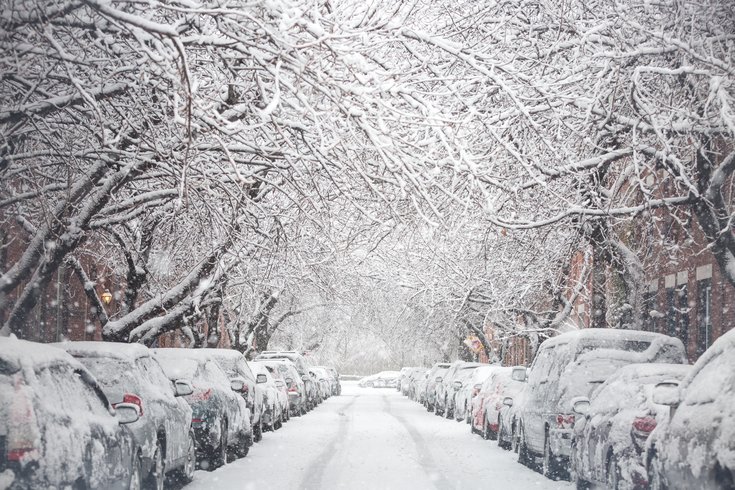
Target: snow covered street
(373,438)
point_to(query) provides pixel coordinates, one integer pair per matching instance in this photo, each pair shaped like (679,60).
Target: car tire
(157,475)
(136,474)
(551,467)
(613,473)
(243,446)
(490,435)
(485,430)
(524,456)
(514,439)
(258,431)
(186,472)
(501,443)
(219,458)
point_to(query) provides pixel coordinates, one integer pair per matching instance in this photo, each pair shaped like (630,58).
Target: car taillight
(135,400)
(564,421)
(18,453)
(644,424)
(201,395)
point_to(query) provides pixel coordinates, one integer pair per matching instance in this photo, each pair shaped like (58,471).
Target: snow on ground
(373,438)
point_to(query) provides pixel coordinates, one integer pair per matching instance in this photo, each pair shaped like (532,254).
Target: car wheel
(514,439)
(258,431)
(485,430)
(613,473)
(157,475)
(550,468)
(491,434)
(220,453)
(524,456)
(501,443)
(190,463)
(136,477)
(243,446)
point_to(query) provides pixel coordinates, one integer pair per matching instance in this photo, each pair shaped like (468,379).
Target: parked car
(57,427)
(323,382)
(294,383)
(451,383)
(383,379)
(611,430)
(436,374)
(281,388)
(221,418)
(570,365)
(302,366)
(421,380)
(468,391)
(509,415)
(695,448)
(128,373)
(488,404)
(234,364)
(272,409)
(332,379)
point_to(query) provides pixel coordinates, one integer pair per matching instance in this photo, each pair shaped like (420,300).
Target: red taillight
(293,389)
(197,421)
(135,400)
(18,453)
(564,421)
(201,395)
(644,424)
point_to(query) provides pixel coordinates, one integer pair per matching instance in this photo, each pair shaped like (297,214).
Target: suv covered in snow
(302,366)
(572,365)
(128,373)
(56,425)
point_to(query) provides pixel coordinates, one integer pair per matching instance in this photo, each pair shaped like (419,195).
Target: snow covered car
(281,388)
(383,379)
(323,379)
(333,377)
(611,430)
(436,374)
(696,447)
(128,373)
(509,415)
(234,364)
(220,418)
(302,366)
(469,390)
(271,408)
(413,380)
(452,381)
(294,384)
(571,365)
(57,428)
(487,405)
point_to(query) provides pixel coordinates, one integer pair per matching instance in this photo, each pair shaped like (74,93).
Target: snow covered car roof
(633,346)
(16,354)
(115,350)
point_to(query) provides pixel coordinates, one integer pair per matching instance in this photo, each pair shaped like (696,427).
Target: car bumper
(561,442)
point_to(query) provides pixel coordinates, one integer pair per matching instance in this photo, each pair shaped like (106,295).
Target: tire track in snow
(426,460)
(314,480)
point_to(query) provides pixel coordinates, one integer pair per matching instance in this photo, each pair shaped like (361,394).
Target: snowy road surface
(373,438)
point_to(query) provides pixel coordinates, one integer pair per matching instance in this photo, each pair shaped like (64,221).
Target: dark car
(570,365)
(696,447)
(220,416)
(294,384)
(611,430)
(128,373)
(57,428)
(302,366)
(236,366)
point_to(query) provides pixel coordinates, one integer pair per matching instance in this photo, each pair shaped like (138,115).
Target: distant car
(323,379)
(435,375)
(333,380)
(415,377)
(221,418)
(128,373)
(272,409)
(611,431)
(383,379)
(469,390)
(57,428)
(295,385)
(234,364)
(696,447)
(488,404)
(570,365)
(281,388)
(302,366)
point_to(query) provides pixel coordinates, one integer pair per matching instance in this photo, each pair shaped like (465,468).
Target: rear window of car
(112,373)
(615,344)
(179,368)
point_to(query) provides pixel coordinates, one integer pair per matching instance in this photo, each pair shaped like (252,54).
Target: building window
(704,315)
(670,312)
(683,323)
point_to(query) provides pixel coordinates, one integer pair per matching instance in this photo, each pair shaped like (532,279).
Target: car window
(244,369)
(540,369)
(113,373)
(212,372)
(155,375)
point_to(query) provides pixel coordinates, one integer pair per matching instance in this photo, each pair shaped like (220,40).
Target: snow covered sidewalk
(373,438)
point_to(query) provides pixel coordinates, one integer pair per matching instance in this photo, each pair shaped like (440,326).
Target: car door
(535,409)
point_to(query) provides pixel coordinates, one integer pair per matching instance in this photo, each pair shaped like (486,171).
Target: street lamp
(106,297)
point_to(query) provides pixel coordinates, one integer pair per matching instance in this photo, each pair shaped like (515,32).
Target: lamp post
(106,297)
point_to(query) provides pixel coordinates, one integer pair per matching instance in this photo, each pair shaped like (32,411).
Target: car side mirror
(519,374)
(305,377)
(127,413)
(580,405)
(183,387)
(508,401)
(279,383)
(237,385)
(438,379)
(261,378)
(289,380)
(457,385)
(667,393)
